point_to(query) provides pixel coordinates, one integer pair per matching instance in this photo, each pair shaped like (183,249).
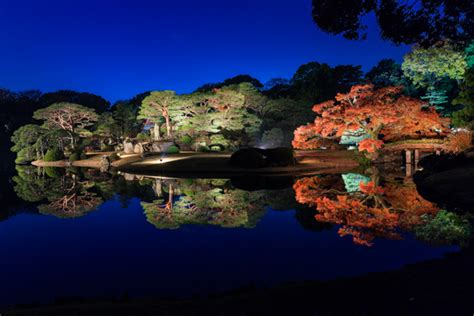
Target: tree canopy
(402,22)
(383,114)
(230,81)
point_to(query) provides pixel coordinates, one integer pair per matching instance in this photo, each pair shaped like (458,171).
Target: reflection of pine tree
(66,195)
(205,202)
(72,199)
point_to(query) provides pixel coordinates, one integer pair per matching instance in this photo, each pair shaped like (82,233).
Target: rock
(138,149)
(159,147)
(128,147)
(104,163)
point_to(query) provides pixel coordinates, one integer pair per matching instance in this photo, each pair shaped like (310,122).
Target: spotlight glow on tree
(383,114)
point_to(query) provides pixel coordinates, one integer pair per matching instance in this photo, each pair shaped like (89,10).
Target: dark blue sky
(118,48)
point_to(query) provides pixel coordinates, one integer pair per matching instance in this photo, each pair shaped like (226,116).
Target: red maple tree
(383,114)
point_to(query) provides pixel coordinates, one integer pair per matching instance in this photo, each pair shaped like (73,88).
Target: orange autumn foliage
(370,145)
(374,211)
(384,114)
(412,207)
(370,188)
(356,216)
(458,141)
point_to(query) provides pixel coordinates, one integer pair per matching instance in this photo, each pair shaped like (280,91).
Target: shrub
(464,117)
(459,141)
(142,137)
(248,158)
(53,172)
(445,228)
(173,149)
(280,156)
(220,140)
(203,149)
(216,147)
(83,156)
(53,155)
(106,147)
(186,139)
(75,156)
(114,157)
(25,155)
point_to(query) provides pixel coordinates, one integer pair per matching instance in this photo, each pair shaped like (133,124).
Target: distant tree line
(239,111)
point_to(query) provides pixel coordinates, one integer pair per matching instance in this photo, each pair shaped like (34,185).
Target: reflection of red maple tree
(383,114)
(373,211)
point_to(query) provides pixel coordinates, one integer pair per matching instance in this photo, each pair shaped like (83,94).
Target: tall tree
(156,106)
(383,114)
(387,73)
(70,117)
(465,116)
(434,69)
(315,82)
(26,142)
(407,22)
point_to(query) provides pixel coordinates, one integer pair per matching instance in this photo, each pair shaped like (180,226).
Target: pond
(83,233)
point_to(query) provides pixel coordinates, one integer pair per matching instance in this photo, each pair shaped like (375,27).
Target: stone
(128,147)
(138,149)
(160,147)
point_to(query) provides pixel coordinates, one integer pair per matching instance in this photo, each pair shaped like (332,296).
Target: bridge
(413,151)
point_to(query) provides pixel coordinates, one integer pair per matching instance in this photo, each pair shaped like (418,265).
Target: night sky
(120,48)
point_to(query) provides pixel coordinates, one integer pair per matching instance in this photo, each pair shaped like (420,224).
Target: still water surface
(92,234)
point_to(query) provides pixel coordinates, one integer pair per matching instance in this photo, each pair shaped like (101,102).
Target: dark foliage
(248,158)
(230,81)
(408,22)
(83,98)
(259,158)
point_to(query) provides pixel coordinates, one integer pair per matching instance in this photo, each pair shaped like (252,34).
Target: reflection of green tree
(72,204)
(204,202)
(32,185)
(111,186)
(64,194)
(446,228)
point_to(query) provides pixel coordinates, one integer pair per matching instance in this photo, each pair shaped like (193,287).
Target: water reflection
(373,206)
(363,206)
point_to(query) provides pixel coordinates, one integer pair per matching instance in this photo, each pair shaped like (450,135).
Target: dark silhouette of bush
(280,156)
(248,158)
(259,158)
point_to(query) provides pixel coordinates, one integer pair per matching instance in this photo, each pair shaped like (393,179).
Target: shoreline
(205,164)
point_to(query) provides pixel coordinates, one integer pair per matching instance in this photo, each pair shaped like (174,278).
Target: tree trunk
(156,132)
(158,188)
(168,126)
(170,196)
(71,136)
